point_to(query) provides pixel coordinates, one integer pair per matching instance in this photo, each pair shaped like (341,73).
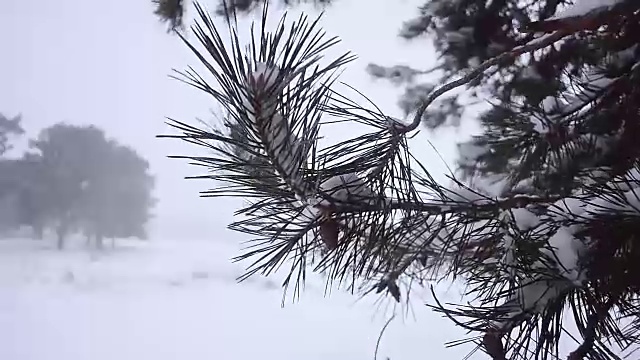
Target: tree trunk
(61,232)
(88,239)
(99,241)
(38,232)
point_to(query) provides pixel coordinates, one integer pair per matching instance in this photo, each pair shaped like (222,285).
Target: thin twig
(375,355)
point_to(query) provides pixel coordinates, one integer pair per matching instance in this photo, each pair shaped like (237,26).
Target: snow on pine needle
(584,7)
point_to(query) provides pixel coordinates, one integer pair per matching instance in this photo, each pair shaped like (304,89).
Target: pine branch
(382,217)
(171,11)
(478,72)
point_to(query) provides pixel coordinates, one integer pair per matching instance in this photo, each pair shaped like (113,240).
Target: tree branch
(533,45)
(590,330)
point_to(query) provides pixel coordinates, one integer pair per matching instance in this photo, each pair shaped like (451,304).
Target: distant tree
(9,177)
(32,211)
(21,191)
(117,200)
(9,127)
(69,156)
(8,198)
(90,183)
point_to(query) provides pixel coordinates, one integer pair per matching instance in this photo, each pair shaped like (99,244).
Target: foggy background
(108,64)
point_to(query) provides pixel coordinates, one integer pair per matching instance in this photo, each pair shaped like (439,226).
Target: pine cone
(329,232)
(493,345)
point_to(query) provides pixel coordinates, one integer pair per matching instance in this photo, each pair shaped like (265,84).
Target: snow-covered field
(178,299)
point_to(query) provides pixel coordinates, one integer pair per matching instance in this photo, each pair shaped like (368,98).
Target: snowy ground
(178,299)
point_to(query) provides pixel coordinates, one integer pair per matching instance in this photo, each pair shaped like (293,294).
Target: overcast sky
(107,63)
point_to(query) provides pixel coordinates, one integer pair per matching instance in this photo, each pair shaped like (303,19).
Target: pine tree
(552,240)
